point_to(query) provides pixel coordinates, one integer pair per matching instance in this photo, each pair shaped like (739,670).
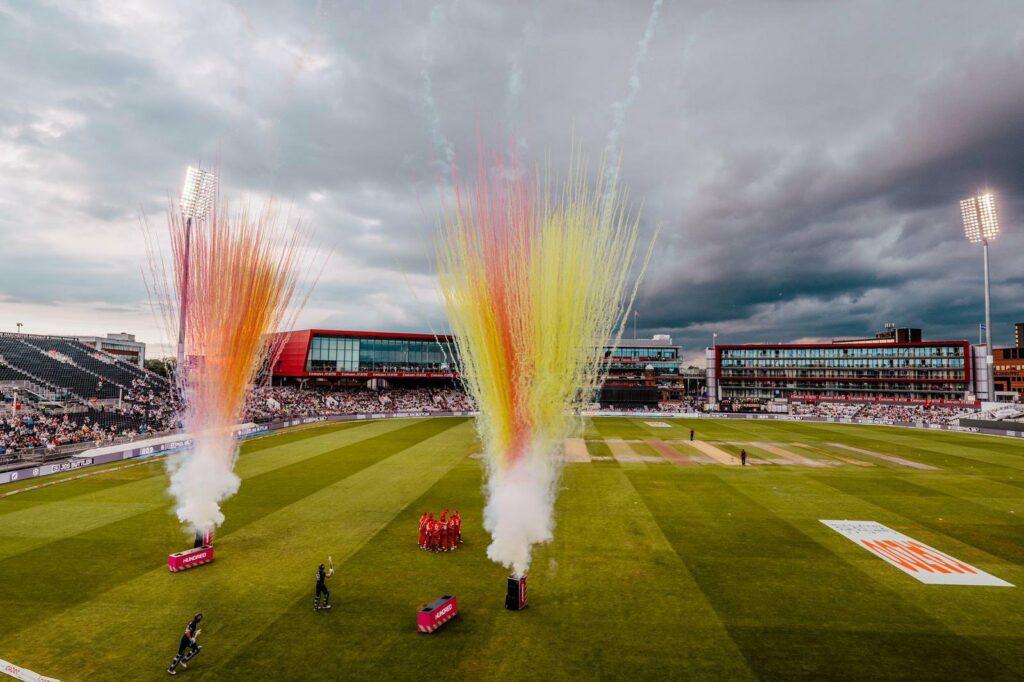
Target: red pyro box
(436,613)
(190,558)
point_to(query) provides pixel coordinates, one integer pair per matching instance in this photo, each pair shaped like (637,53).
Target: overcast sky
(804,159)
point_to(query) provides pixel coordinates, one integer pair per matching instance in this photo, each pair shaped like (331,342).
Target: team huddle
(443,534)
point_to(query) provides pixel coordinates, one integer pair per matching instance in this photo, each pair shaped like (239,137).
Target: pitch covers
(915,558)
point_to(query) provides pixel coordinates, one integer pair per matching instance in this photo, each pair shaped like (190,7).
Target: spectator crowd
(37,430)
(279,402)
(931,414)
(147,408)
(832,410)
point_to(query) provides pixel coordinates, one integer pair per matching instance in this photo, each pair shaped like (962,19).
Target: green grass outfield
(658,570)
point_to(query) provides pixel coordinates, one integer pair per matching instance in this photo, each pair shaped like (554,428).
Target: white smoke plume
(520,506)
(201,479)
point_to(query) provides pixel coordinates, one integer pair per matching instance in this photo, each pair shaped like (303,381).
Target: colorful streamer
(533,277)
(243,270)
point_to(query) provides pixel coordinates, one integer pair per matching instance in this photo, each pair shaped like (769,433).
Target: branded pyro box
(190,558)
(515,598)
(436,613)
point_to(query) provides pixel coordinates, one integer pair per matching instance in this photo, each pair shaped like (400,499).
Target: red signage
(387,375)
(873,399)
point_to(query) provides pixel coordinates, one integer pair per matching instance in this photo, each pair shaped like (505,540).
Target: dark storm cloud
(804,160)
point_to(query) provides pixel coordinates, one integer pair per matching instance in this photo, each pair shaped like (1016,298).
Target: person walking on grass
(743,456)
(188,647)
(691,434)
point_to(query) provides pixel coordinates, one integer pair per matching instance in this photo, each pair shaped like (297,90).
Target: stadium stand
(12,378)
(148,404)
(68,393)
(93,361)
(70,369)
(932,414)
(269,403)
(1002,413)
(835,410)
(55,369)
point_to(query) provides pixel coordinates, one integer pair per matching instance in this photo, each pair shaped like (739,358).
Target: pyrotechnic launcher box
(436,613)
(201,553)
(515,598)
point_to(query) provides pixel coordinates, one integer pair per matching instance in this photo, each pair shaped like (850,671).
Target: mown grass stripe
(37,525)
(139,549)
(787,575)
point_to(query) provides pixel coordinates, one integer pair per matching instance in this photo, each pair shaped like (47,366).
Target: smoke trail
(514,85)
(619,108)
(287,90)
(442,145)
(532,276)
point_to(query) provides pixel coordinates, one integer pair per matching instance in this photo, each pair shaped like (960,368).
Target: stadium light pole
(20,325)
(714,363)
(196,197)
(981,225)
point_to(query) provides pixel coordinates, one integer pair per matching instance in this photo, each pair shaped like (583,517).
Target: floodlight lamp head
(981,223)
(197,193)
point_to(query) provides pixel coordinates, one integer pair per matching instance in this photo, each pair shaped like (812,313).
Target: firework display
(238,272)
(533,277)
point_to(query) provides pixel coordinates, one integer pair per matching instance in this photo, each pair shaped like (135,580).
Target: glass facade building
(634,356)
(628,352)
(328,356)
(927,370)
(329,353)
(645,372)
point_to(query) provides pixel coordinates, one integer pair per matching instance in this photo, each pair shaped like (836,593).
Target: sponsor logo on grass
(925,563)
(19,673)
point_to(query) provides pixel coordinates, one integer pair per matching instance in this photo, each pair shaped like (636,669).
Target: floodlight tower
(196,197)
(981,225)
(714,360)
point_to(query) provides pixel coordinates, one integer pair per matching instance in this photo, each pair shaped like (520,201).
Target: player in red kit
(435,536)
(452,532)
(423,531)
(458,527)
(444,533)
